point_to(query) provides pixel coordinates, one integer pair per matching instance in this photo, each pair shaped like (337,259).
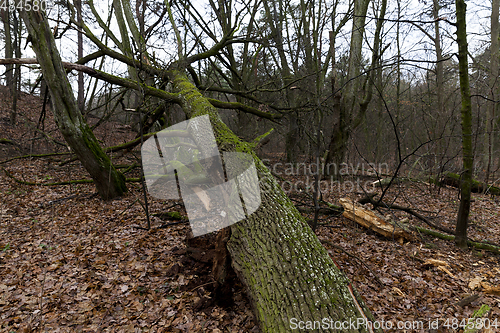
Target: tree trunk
(109,182)
(124,46)
(466,111)
(441,119)
(289,276)
(292,138)
(494,88)
(81,88)
(16,83)
(342,129)
(9,51)
(275,18)
(439,57)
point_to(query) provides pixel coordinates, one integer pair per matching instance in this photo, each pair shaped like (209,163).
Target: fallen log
(8,142)
(373,221)
(33,155)
(67,182)
(477,245)
(370,199)
(453,179)
(395,180)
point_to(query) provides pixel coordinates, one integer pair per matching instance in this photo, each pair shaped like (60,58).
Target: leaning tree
(109,182)
(289,276)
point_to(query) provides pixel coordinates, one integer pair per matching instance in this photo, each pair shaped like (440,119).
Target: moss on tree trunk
(289,276)
(109,182)
(453,179)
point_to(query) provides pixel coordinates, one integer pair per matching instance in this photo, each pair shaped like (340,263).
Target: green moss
(195,104)
(117,178)
(482,311)
(478,254)
(174,215)
(257,258)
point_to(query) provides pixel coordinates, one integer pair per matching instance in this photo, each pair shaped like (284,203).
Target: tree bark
(81,88)
(9,51)
(453,179)
(489,141)
(288,274)
(109,182)
(466,113)
(342,129)
(16,83)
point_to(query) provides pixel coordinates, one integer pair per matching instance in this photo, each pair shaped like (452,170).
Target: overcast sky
(414,44)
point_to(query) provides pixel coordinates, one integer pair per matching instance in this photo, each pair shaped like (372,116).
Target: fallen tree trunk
(33,155)
(289,276)
(370,199)
(453,179)
(371,220)
(477,245)
(8,142)
(67,182)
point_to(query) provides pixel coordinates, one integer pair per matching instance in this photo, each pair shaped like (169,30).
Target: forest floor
(70,262)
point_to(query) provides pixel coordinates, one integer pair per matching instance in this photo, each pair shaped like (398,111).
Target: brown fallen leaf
(138,305)
(398,291)
(436,263)
(492,291)
(441,265)
(485,285)
(444,269)
(475,282)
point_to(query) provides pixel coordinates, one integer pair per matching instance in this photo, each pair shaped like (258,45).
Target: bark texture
(492,113)
(109,182)
(350,101)
(288,274)
(9,50)
(466,113)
